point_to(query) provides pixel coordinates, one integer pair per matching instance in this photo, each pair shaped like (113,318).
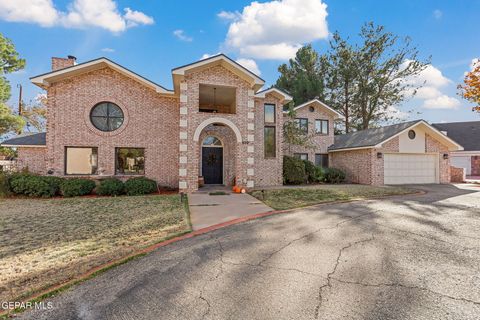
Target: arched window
(106,116)
(212,141)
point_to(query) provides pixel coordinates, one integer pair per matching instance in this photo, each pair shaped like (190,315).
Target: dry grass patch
(44,242)
(297,197)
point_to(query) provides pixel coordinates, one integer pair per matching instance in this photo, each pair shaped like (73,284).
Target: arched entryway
(212,160)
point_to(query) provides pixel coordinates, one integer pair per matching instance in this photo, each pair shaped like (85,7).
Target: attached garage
(406,153)
(410,168)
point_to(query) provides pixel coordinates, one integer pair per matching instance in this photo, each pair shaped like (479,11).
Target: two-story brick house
(217,125)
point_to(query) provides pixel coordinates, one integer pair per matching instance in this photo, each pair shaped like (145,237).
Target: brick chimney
(62,63)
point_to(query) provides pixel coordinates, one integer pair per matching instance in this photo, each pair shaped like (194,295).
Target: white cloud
(208,55)
(42,12)
(80,14)
(474,62)
(134,18)
(228,15)
(276,29)
(250,64)
(432,85)
(442,102)
(180,34)
(438,14)
(396,113)
(108,50)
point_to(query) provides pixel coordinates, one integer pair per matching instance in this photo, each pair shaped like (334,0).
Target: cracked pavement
(409,257)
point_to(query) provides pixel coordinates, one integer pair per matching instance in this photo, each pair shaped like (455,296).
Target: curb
(43,294)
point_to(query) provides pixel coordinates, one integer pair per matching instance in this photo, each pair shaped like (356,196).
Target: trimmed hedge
(77,187)
(319,174)
(310,171)
(293,170)
(111,187)
(333,175)
(140,185)
(32,185)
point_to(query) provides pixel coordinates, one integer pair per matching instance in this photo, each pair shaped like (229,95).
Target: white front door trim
(213,120)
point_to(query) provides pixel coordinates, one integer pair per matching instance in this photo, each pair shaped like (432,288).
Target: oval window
(411,134)
(106,116)
(311,109)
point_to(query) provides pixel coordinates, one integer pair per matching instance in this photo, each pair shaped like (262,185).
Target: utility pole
(19,99)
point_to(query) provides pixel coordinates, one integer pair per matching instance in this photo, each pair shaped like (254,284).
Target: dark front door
(212,165)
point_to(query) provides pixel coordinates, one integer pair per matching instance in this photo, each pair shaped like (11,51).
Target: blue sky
(151,37)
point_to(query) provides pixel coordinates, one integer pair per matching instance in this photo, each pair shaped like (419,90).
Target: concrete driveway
(413,257)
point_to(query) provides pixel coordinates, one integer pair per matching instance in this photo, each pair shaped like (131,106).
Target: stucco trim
(452,145)
(205,123)
(321,104)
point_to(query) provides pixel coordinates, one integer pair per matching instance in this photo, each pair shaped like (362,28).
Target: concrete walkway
(207,210)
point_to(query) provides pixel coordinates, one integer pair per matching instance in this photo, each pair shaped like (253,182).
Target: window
(81,160)
(269,142)
(301,156)
(321,126)
(302,124)
(321,160)
(412,134)
(212,141)
(106,116)
(269,113)
(217,99)
(130,161)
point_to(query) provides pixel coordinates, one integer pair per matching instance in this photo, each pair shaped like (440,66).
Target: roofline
(214,57)
(261,94)
(416,123)
(41,79)
(350,149)
(339,116)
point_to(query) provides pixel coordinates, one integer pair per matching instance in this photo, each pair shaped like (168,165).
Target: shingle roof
(465,133)
(31,139)
(369,137)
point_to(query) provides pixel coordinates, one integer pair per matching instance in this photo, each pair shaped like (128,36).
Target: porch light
(445,156)
(379,155)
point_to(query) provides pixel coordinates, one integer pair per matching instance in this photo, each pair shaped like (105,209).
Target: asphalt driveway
(410,257)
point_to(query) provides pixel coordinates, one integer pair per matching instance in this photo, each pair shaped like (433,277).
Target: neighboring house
(468,135)
(105,120)
(317,120)
(405,153)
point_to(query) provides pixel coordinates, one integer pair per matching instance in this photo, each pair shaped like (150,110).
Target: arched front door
(212,160)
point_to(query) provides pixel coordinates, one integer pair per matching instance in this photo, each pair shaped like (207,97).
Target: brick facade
(33,159)
(320,142)
(457,174)
(151,122)
(475,166)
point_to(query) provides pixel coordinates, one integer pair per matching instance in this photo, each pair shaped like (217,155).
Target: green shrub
(31,185)
(4,184)
(55,182)
(333,175)
(110,187)
(293,170)
(319,174)
(309,171)
(140,185)
(77,187)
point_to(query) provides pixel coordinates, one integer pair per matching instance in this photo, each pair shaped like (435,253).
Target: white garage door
(403,168)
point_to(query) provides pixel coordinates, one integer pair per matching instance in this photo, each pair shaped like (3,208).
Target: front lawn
(45,242)
(297,197)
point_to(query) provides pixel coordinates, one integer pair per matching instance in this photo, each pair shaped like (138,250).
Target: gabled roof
(318,103)
(465,133)
(276,91)
(27,140)
(375,137)
(45,79)
(221,59)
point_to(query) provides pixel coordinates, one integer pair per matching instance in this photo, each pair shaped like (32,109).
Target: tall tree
(341,79)
(384,63)
(470,90)
(35,113)
(303,76)
(9,62)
